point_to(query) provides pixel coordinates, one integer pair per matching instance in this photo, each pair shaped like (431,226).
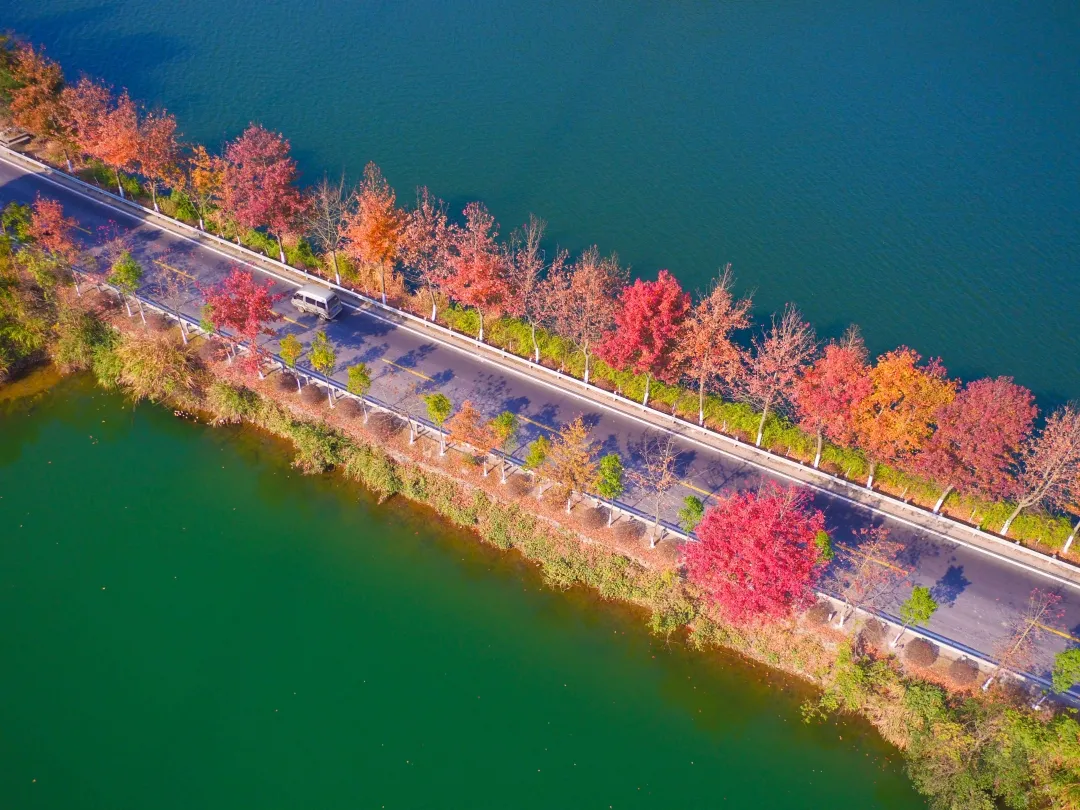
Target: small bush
(230,403)
(920,652)
(873,634)
(349,408)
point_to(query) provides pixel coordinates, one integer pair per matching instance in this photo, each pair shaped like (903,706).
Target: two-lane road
(979,594)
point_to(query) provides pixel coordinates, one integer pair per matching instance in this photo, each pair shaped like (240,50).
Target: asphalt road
(978,594)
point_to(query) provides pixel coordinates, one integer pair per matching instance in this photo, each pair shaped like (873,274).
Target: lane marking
(688,485)
(409,370)
(882,563)
(537,424)
(1056,632)
(176,270)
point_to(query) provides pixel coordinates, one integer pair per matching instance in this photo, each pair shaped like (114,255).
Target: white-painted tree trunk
(142,315)
(761,427)
(587,369)
(870,480)
(989,681)
(442,443)
(479,311)
(1069,542)
(1042,699)
(280,249)
(202,225)
(941,500)
(1009,522)
(119,186)
(899,635)
(330,395)
(536,346)
(183,332)
(648,381)
(611,514)
(127,304)
(820,444)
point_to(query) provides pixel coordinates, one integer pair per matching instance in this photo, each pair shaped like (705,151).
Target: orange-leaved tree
(896,418)
(572,459)
(373,231)
(705,351)
(37,100)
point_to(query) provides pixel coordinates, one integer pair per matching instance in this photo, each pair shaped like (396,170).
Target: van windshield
(332,300)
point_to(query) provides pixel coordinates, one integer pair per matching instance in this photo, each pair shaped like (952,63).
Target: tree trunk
(899,635)
(280,249)
(611,513)
(337,272)
(820,444)
(142,315)
(1069,542)
(118,184)
(183,329)
(502,471)
(67,160)
(297,378)
(701,402)
(382,283)
(569,500)
(330,394)
(153,196)
(434,304)
(989,681)
(941,500)
(536,346)
(442,443)
(480,337)
(648,382)
(127,304)
(586,368)
(870,479)
(1012,517)
(761,426)
(75,278)
(202,225)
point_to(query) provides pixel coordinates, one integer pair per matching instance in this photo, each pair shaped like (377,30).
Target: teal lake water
(188,623)
(911,167)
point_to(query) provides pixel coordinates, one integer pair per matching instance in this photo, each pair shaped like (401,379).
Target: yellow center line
(704,492)
(176,270)
(409,370)
(1056,632)
(538,424)
(290,320)
(874,559)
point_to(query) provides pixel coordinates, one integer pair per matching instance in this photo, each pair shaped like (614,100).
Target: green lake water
(189,623)
(910,167)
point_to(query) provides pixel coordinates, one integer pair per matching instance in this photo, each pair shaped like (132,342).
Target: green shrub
(231,403)
(318,448)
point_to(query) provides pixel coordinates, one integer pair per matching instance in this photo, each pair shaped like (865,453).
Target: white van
(317,300)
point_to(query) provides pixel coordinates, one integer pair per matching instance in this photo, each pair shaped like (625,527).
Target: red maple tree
(244,306)
(159,152)
(527,268)
(757,558)
(705,352)
(776,363)
(647,323)
(978,437)
(477,274)
(260,189)
(827,392)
